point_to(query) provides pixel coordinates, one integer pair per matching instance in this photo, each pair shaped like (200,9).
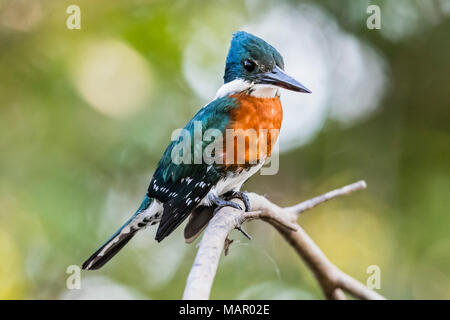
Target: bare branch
(332,280)
(201,277)
(309,204)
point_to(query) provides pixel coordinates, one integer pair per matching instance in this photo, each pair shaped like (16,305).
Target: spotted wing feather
(190,191)
(181,187)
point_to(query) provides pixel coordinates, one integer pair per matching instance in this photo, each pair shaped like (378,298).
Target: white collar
(240,85)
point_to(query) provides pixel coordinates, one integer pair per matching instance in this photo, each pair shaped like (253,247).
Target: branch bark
(331,279)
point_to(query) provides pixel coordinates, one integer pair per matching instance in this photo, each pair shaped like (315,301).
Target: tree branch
(332,280)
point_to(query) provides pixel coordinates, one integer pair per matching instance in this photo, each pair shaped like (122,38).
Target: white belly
(232,182)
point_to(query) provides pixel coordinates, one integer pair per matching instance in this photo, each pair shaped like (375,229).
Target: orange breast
(255,126)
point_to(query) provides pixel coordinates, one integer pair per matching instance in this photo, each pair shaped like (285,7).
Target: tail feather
(111,247)
(198,220)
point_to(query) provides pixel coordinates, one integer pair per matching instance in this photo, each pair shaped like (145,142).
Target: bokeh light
(112,77)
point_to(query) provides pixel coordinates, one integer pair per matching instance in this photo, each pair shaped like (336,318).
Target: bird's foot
(238,195)
(220,203)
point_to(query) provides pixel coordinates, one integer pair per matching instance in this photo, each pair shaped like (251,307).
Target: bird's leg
(238,195)
(220,203)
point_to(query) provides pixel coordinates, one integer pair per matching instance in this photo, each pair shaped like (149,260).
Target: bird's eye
(249,65)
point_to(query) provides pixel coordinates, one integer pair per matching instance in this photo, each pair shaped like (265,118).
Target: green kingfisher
(248,99)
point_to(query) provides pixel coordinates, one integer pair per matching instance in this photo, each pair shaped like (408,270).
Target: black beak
(278,78)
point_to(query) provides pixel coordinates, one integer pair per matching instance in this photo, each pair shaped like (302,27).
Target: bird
(248,99)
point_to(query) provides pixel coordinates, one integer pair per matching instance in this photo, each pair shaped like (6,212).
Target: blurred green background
(85,115)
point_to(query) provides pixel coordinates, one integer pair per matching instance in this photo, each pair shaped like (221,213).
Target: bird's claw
(238,195)
(225,202)
(220,203)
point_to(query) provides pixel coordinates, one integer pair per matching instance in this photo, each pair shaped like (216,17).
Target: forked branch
(332,280)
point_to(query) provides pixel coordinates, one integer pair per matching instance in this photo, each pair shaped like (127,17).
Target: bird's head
(253,60)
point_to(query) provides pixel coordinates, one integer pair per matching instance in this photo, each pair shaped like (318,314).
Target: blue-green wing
(181,186)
